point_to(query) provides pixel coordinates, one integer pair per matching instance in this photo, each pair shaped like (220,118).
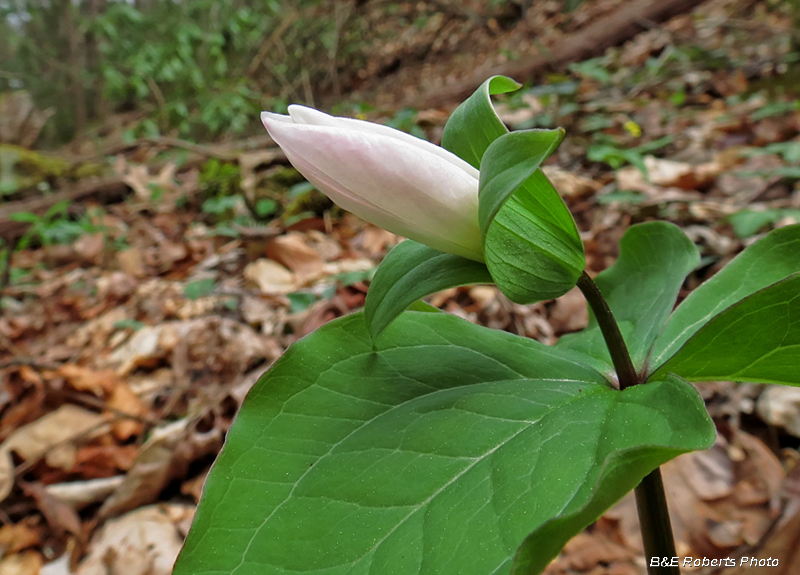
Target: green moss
(311,201)
(21,168)
(219,178)
(80,171)
(285,176)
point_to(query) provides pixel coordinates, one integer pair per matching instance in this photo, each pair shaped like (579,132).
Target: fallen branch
(588,42)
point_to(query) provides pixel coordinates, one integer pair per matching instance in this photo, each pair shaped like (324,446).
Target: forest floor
(139,309)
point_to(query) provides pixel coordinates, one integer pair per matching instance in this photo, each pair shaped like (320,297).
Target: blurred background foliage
(199,68)
(202,67)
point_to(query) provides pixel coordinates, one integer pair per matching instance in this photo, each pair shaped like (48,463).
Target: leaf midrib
(590,392)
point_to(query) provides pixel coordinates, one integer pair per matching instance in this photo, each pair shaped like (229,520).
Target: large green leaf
(755,340)
(640,288)
(475,124)
(532,247)
(437,452)
(769,260)
(508,162)
(411,271)
(625,465)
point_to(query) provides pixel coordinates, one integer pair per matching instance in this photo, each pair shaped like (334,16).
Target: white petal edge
(304,115)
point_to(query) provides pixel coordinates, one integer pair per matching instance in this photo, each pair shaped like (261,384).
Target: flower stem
(608,325)
(651,501)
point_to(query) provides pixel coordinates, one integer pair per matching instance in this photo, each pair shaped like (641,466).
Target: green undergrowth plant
(403,440)
(55,226)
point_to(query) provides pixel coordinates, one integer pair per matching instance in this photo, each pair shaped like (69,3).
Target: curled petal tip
(267,117)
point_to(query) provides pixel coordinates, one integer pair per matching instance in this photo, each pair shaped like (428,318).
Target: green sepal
(411,271)
(474,125)
(508,163)
(532,247)
(756,340)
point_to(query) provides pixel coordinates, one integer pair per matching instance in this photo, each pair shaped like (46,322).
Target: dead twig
(29,361)
(5,265)
(119,415)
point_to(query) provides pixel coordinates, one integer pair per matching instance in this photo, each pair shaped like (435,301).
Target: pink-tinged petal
(388,181)
(304,115)
(276,117)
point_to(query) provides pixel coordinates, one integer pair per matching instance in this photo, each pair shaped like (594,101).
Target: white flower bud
(401,183)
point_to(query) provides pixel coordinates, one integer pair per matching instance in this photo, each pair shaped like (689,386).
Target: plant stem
(651,501)
(608,325)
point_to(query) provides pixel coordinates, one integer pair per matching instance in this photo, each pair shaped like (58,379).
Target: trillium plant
(402,440)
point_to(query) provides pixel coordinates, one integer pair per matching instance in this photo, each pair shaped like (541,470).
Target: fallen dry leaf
(374,241)
(569,312)
(212,342)
(194,487)
(761,473)
(164,457)
(166,254)
(781,544)
(328,247)
(50,437)
(79,494)
(569,184)
(27,563)
(147,187)
(141,349)
(142,542)
(60,566)
(90,247)
(263,314)
(60,516)
(95,461)
(710,499)
(292,251)
(348,265)
(779,405)
(85,379)
(7,477)
(131,262)
(124,401)
(270,277)
(587,550)
(22,410)
(15,537)
(667,174)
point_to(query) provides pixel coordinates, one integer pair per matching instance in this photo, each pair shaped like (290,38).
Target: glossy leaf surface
(755,340)
(438,452)
(625,467)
